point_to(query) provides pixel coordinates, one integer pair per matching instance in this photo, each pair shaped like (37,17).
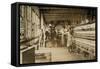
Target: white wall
(5,36)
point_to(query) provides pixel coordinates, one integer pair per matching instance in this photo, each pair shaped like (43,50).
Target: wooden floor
(60,54)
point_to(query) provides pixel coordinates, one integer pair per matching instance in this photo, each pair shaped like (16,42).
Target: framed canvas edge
(17,41)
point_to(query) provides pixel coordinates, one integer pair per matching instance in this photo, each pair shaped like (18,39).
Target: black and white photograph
(57,34)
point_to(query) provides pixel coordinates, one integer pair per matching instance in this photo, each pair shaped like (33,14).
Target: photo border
(51,5)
